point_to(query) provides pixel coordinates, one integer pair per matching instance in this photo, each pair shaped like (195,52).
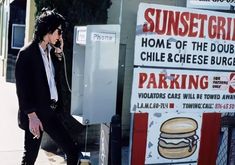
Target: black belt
(53,104)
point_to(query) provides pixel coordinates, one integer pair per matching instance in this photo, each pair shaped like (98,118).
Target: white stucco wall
(124,12)
(29,21)
(4,21)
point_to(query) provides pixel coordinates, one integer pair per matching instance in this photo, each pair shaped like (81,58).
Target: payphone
(95,73)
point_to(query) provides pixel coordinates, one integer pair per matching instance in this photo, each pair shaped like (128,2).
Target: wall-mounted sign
(160,90)
(184,65)
(168,36)
(173,138)
(184,60)
(211,4)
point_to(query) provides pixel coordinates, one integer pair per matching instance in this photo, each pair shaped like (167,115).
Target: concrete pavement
(11,139)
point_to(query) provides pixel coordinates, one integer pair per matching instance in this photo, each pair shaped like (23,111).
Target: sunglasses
(59,31)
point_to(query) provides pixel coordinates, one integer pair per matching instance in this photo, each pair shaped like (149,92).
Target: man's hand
(35,125)
(59,50)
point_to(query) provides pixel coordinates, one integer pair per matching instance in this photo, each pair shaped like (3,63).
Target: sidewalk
(11,139)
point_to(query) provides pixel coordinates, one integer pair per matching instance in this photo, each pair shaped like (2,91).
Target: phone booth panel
(94,73)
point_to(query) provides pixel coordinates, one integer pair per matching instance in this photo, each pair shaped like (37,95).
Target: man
(37,77)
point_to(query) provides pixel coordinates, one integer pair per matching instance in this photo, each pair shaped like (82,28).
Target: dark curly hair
(47,22)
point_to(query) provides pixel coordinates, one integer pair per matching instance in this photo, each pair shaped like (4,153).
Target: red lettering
(183,81)
(173,23)
(228,36)
(174,82)
(193,24)
(142,79)
(152,80)
(149,26)
(193,82)
(204,82)
(183,31)
(161,30)
(220,28)
(162,81)
(233,30)
(212,27)
(202,17)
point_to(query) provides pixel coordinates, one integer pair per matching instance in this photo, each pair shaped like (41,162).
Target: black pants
(58,133)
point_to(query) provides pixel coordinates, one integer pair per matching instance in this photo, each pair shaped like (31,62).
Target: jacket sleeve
(23,75)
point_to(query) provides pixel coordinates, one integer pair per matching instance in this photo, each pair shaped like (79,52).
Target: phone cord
(65,72)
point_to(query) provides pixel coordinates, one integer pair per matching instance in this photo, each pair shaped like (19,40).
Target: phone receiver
(57,44)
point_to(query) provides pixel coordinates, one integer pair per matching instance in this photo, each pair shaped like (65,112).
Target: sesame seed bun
(179,125)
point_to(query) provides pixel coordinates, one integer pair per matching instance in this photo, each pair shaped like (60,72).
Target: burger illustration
(178,138)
